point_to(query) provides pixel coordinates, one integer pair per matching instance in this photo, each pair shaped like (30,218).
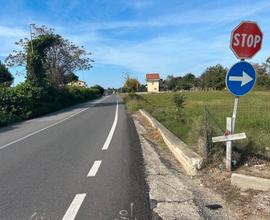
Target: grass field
(253,116)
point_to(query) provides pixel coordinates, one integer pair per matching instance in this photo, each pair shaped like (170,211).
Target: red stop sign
(246,40)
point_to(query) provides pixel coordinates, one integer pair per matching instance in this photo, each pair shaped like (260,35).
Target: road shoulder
(173,195)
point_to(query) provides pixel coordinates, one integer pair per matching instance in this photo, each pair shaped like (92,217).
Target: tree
(60,57)
(170,82)
(71,77)
(263,76)
(143,88)
(266,66)
(6,77)
(100,88)
(36,59)
(214,77)
(131,84)
(179,101)
(162,86)
(187,82)
(178,83)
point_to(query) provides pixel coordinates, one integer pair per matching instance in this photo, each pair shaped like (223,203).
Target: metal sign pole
(231,128)
(240,72)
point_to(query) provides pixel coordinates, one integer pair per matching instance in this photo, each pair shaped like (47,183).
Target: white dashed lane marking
(74,207)
(94,168)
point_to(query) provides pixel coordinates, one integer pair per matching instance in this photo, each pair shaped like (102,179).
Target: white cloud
(172,53)
(230,13)
(177,51)
(13,32)
(8,36)
(139,4)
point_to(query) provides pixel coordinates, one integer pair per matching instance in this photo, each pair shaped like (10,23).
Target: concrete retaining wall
(250,182)
(190,160)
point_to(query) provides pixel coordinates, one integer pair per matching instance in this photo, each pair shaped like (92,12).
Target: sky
(172,37)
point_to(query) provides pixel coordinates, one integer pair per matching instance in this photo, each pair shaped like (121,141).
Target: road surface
(81,163)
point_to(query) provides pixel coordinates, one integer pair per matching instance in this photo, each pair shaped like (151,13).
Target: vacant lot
(253,115)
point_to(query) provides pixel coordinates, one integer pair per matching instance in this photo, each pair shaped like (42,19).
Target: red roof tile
(152,76)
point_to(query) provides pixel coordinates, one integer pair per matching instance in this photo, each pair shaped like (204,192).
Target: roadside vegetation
(253,116)
(251,156)
(195,109)
(26,101)
(213,78)
(50,62)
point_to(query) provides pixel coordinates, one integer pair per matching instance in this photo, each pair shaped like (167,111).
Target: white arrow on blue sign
(241,78)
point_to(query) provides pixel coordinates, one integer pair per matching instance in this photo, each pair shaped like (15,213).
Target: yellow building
(78,83)
(152,80)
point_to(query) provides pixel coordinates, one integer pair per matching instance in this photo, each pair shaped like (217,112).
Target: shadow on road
(88,104)
(107,104)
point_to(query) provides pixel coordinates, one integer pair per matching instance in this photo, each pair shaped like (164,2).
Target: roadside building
(152,80)
(78,83)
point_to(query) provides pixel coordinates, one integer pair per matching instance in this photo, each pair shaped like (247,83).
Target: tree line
(213,78)
(50,62)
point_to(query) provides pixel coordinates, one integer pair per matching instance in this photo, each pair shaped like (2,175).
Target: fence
(253,119)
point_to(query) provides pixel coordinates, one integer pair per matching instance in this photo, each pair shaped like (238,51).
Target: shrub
(134,102)
(27,101)
(179,101)
(98,88)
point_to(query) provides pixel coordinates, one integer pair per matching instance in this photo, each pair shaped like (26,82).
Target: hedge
(25,101)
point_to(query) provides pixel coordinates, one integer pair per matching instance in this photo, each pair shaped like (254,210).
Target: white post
(234,113)
(229,145)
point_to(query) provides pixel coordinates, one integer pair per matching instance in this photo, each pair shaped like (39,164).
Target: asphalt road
(81,163)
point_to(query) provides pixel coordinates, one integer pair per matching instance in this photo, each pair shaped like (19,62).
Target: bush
(179,101)
(27,101)
(98,88)
(134,102)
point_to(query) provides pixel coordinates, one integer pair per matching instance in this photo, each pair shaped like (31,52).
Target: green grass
(253,116)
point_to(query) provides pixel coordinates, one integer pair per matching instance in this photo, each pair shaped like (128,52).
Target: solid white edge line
(109,138)
(42,129)
(74,207)
(94,169)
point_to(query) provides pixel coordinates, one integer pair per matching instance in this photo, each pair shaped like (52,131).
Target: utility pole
(137,84)
(125,78)
(31,37)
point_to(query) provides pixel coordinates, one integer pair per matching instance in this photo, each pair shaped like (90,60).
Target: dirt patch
(262,170)
(151,134)
(244,203)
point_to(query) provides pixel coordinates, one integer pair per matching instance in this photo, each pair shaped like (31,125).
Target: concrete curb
(190,160)
(250,182)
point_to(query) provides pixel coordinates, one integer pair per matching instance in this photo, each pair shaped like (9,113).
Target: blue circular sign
(241,78)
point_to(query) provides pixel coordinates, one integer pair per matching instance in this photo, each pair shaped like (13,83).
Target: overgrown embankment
(27,101)
(207,111)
